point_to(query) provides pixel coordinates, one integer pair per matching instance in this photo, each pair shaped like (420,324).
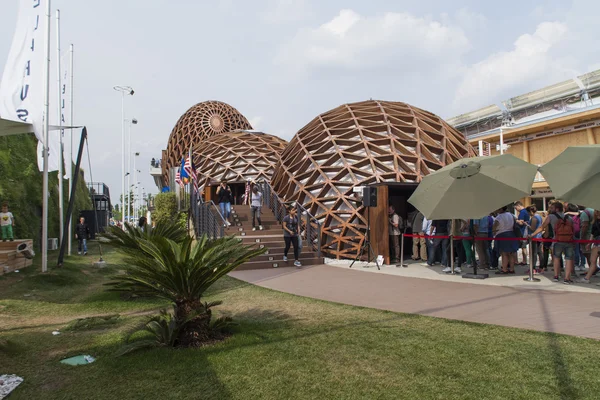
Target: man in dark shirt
(82,233)
(441,228)
(523,221)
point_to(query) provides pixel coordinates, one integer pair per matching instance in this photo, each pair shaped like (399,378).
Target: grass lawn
(285,347)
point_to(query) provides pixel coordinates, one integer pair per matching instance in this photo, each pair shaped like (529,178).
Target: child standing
(7,221)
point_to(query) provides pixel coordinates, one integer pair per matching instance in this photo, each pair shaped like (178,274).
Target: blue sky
(283,62)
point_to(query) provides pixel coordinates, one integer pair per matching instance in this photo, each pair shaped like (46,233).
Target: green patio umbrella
(574,175)
(473,187)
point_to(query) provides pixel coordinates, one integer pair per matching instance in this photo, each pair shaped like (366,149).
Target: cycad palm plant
(181,272)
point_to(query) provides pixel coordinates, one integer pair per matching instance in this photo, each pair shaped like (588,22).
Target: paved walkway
(566,312)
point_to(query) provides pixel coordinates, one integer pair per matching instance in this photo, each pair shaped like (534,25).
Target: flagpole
(60,157)
(46,126)
(71,147)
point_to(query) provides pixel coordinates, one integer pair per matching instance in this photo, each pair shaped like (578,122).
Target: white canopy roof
(14,128)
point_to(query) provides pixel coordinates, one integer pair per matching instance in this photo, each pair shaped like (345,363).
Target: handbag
(517,229)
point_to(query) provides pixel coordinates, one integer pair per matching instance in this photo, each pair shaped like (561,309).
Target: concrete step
(247,231)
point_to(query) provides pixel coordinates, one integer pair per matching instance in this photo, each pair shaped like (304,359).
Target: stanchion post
(452,252)
(530,278)
(402,251)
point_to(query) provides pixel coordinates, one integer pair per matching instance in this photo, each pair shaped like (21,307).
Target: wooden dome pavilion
(200,122)
(358,144)
(237,157)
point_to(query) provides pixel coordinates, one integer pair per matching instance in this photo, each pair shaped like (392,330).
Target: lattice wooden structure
(200,122)
(355,145)
(237,157)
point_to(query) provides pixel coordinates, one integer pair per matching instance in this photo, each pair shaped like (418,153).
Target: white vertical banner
(65,114)
(22,88)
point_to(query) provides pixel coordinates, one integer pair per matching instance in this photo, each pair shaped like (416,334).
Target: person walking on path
(419,250)
(82,232)
(564,232)
(506,243)
(291,230)
(7,222)
(522,220)
(224,197)
(394,233)
(256,207)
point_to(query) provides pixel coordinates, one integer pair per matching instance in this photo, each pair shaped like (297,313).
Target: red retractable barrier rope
(529,240)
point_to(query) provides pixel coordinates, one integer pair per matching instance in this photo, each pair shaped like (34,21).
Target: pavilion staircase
(10,259)
(271,238)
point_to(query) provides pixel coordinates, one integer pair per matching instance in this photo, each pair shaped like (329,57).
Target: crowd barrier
(483,239)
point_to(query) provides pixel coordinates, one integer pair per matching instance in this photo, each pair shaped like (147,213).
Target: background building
(538,126)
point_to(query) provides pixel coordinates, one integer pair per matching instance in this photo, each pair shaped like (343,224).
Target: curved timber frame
(361,144)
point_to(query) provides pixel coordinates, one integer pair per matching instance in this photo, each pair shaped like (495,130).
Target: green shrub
(165,207)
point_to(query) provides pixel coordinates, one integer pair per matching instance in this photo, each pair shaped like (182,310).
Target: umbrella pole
(530,278)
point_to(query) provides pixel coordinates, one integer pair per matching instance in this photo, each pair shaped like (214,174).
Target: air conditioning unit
(52,243)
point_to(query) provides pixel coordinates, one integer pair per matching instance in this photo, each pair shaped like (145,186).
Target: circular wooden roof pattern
(361,144)
(237,157)
(200,122)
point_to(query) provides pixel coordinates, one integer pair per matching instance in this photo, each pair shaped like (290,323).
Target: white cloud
(529,60)
(285,11)
(354,41)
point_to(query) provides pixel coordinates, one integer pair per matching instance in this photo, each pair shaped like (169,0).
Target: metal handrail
(311,226)
(204,217)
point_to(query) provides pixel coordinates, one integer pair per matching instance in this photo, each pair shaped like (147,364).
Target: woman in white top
(503,229)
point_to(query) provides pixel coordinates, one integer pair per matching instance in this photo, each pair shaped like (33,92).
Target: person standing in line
(504,229)
(563,230)
(441,228)
(394,233)
(465,231)
(7,222)
(536,248)
(459,250)
(426,228)
(291,230)
(82,232)
(586,218)
(522,220)
(419,244)
(256,207)
(224,197)
(594,248)
(480,227)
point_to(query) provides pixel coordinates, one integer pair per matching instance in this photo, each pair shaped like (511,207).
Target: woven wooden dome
(238,157)
(355,145)
(201,122)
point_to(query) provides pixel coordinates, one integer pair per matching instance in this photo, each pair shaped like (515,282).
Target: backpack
(564,229)
(577,224)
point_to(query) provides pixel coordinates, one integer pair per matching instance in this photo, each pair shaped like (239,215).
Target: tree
(164,265)
(165,207)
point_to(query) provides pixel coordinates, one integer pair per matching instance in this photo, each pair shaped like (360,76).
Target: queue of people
(501,235)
